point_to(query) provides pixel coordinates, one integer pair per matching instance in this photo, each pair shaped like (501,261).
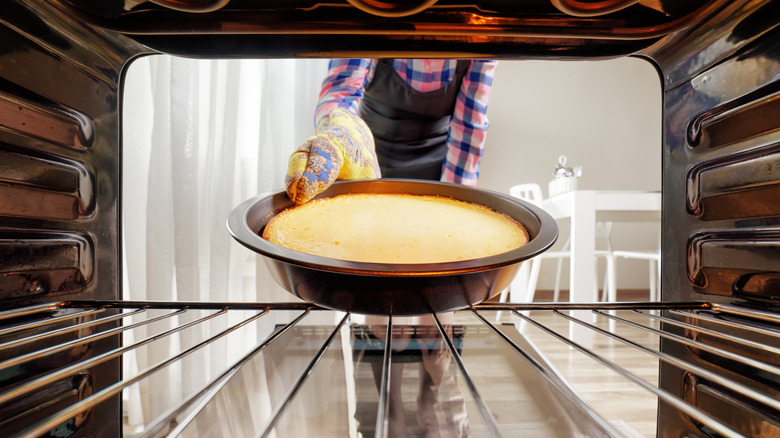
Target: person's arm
(343,147)
(469,125)
(342,87)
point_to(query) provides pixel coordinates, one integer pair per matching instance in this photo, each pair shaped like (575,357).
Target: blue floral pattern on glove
(343,150)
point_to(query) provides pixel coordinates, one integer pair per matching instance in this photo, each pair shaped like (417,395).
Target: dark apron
(410,127)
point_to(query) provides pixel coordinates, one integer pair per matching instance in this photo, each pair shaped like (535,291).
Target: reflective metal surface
(721,238)
(61,66)
(722,144)
(59,189)
(402,376)
(492,29)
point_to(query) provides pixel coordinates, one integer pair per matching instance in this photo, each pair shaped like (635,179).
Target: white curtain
(200,137)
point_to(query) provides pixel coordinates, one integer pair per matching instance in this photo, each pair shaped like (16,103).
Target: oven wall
(721,182)
(59,174)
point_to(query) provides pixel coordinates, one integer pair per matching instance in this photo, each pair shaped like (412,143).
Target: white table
(583,208)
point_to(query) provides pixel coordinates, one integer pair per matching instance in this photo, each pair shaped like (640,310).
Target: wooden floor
(626,405)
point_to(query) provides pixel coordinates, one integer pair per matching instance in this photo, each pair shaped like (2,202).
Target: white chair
(528,192)
(525,282)
(654,259)
(533,194)
(603,233)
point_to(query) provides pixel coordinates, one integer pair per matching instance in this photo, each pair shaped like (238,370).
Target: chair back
(530,192)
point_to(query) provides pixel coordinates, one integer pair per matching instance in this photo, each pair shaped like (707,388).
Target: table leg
(583,244)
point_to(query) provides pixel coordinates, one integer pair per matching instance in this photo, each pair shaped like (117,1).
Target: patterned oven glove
(342,149)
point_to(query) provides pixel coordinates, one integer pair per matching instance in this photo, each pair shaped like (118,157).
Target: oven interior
(712,339)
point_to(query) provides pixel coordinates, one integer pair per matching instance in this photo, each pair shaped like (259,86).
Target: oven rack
(686,324)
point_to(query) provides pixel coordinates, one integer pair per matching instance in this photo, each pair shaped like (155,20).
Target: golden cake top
(395,228)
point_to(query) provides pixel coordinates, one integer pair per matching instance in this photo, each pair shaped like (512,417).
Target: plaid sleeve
(342,87)
(469,125)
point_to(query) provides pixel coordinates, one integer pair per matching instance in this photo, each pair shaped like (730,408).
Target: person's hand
(342,149)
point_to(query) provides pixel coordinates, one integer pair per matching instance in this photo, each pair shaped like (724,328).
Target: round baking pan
(393,289)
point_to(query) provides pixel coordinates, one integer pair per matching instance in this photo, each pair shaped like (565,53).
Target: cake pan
(393,289)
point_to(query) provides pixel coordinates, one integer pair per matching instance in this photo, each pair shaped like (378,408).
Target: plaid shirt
(344,85)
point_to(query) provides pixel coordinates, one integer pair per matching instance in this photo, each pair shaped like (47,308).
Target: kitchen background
(202,136)
(603,115)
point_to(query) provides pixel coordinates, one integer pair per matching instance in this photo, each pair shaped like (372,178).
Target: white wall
(603,115)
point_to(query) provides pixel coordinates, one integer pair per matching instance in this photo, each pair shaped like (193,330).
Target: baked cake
(395,228)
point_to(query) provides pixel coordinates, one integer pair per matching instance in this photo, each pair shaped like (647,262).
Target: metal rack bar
(748,313)
(266,430)
(718,315)
(194,305)
(380,431)
(68,329)
(553,379)
(54,320)
(86,364)
(232,305)
(727,323)
(29,310)
(664,395)
(700,345)
(714,333)
(625,305)
(744,390)
(487,417)
(544,361)
(100,396)
(205,395)
(76,342)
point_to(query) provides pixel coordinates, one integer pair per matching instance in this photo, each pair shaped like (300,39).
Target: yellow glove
(342,149)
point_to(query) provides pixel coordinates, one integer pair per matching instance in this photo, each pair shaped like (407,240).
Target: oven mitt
(342,149)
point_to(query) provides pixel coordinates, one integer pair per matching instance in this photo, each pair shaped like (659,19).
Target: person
(401,118)
(440,407)
(395,118)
